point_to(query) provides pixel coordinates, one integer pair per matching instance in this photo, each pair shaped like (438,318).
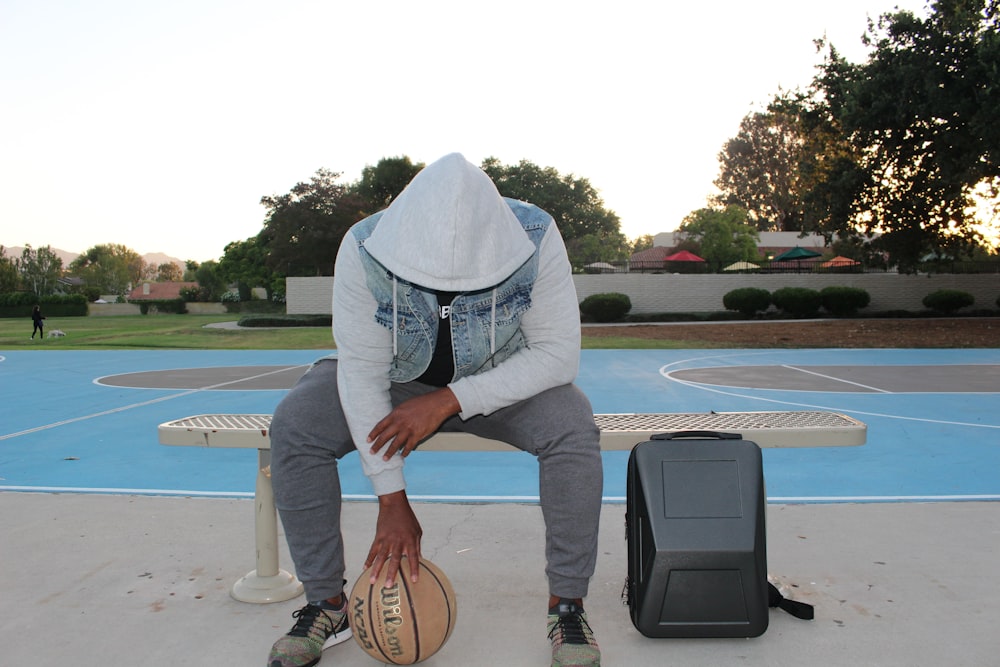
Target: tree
(40,270)
(168,272)
(573,202)
(190,267)
(9,278)
(211,284)
(245,263)
(723,236)
(640,243)
(920,114)
(584,250)
(380,184)
(760,171)
(304,227)
(111,267)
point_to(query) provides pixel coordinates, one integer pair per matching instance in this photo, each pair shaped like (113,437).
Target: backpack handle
(677,435)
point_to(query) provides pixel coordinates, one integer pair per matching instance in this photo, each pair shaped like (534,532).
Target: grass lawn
(188,332)
(158,332)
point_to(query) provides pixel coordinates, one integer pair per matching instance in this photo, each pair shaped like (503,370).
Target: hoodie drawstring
(493,327)
(395,319)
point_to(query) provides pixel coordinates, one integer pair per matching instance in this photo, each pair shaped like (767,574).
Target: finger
(378,439)
(381,433)
(391,570)
(376,565)
(414,568)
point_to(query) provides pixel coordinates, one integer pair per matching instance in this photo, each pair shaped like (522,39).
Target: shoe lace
(572,628)
(305,624)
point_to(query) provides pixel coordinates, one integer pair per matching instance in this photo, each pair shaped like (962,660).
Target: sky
(160,125)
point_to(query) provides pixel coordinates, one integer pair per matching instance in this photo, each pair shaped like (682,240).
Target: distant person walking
(36,319)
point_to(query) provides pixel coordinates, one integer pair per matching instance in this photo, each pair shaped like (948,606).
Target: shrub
(747,301)
(948,301)
(191,293)
(797,301)
(841,301)
(148,306)
(606,307)
(286,321)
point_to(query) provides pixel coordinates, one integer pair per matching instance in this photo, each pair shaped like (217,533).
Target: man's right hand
(397,533)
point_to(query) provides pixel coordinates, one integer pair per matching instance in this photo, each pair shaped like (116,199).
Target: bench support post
(267,583)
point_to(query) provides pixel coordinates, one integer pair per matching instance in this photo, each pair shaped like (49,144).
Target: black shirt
(442,367)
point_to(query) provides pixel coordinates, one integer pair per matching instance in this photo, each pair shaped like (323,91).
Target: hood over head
(450,230)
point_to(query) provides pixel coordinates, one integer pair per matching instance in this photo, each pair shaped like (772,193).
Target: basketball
(407,623)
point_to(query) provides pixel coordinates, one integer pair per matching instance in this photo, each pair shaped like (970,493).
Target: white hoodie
(450,230)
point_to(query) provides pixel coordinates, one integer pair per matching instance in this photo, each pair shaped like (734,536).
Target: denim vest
(485,325)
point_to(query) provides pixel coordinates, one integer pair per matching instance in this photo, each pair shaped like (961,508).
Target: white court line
(606,500)
(127,492)
(141,404)
(835,379)
(281,369)
(666,373)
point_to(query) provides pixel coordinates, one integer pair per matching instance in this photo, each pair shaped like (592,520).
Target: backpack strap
(793,607)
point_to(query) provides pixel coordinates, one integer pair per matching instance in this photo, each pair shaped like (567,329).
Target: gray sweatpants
(309,434)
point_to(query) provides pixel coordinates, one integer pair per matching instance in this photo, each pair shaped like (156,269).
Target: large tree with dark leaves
(759,171)
(920,113)
(304,227)
(110,267)
(591,231)
(380,184)
(245,263)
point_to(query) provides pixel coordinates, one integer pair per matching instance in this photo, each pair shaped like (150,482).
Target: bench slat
(618,431)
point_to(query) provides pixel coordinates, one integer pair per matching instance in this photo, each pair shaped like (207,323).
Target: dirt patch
(972,332)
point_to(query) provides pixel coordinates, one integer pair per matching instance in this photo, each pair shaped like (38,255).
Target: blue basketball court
(86,421)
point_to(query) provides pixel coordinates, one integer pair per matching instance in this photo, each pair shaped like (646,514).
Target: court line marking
(665,373)
(279,369)
(132,406)
(835,379)
(608,500)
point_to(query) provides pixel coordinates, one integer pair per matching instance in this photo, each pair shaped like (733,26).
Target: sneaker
(573,643)
(315,629)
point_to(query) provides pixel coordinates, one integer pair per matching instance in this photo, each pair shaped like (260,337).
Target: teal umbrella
(798,252)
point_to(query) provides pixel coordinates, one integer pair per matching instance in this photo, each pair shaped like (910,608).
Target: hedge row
(798,301)
(836,300)
(286,321)
(20,304)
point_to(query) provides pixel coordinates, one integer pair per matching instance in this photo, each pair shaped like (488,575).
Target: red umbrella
(683,256)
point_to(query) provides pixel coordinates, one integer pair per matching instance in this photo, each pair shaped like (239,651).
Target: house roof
(159,291)
(654,254)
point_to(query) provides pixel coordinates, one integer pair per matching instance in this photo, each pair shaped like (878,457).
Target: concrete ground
(91,580)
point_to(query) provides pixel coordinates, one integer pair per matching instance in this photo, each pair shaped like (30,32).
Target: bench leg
(267,583)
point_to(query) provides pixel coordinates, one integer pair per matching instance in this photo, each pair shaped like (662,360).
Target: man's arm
(551,328)
(364,354)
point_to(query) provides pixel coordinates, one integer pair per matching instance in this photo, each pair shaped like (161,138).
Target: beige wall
(669,293)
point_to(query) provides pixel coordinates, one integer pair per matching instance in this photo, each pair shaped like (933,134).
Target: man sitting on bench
(454,309)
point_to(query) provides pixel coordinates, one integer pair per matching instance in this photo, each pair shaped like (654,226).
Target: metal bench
(619,432)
